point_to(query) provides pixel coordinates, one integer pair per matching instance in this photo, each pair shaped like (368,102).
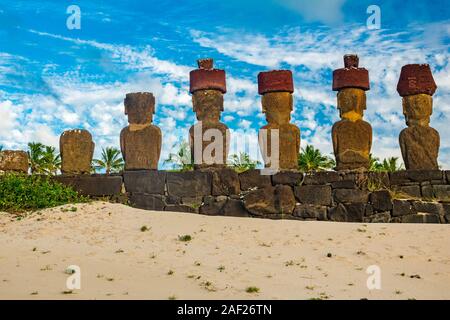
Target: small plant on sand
(170,272)
(144,228)
(252,289)
(173,297)
(185,238)
(221,268)
(19,193)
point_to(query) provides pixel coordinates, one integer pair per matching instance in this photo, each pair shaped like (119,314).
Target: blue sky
(53,78)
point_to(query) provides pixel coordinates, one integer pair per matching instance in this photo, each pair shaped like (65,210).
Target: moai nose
(351,61)
(207,63)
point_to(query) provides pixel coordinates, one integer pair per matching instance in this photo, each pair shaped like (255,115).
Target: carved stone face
(277,106)
(140,108)
(418,109)
(351,103)
(207,105)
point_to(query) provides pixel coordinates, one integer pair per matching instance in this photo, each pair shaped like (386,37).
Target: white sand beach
(282,259)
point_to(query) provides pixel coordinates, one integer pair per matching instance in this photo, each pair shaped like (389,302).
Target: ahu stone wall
(404,196)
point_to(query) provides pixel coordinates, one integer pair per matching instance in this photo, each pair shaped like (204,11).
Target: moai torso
(77,149)
(209,138)
(140,142)
(419,142)
(14,161)
(352,136)
(277,107)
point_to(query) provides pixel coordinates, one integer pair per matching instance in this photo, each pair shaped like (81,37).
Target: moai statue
(14,161)
(276,88)
(140,142)
(352,136)
(77,149)
(209,139)
(419,142)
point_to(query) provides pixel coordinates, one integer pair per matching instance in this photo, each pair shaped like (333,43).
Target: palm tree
(35,154)
(242,162)
(374,164)
(182,159)
(390,165)
(311,159)
(1,147)
(51,161)
(111,160)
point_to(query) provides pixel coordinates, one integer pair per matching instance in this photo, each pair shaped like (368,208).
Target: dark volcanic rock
(225,182)
(353,212)
(96,185)
(253,178)
(402,208)
(309,211)
(321,177)
(287,177)
(314,194)
(145,181)
(381,200)
(234,208)
(189,184)
(147,201)
(351,195)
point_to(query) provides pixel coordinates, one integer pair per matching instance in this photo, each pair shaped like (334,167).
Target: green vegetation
(182,159)
(311,159)
(185,238)
(43,159)
(111,161)
(252,290)
(20,193)
(242,162)
(387,165)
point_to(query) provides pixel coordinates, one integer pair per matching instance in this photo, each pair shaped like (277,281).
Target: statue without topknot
(77,149)
(140,142)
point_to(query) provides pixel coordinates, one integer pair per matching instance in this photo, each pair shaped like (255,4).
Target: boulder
(381,217)
(189,183)
(270,201)
(402,208)
(351,195)
(212,206)
(381,200)
(309,211)
(254,179)
(314,194)
(290,178)
(225,182)
(96,185)
(234,208)
(147,201)
(352,212)
(438,192)
(321,178)
(145,181)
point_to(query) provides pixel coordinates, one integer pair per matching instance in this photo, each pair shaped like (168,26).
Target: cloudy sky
(53,78)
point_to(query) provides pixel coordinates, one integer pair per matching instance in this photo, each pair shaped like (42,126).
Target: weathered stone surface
(402,208)
(353,212)
(416,79)
(420,147)
(413,218)
(321,178)
(275,81)
(410,191)
(270,201)
(147,201)
(234,208)
(96,185)
(351,195)
(15,161)
(277,106)
(447,174)
(254,179)
(351,76)
(378,180)
(381,217)
(180,208)
(261,202)
(438,192)
(344,184)
(206,77)
(403,177)
(309,211)
(225,182)
(77,149)
(381,200)
(314,194)
(428,207)
(284,199)
(212,205)
(287,178)
(189,184)
(145,181)
(140,142)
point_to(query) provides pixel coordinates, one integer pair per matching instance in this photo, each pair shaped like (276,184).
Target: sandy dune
(283,259)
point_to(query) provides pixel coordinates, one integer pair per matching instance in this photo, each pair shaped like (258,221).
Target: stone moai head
(416,86)
(207,86)
(351,82)
(76,149)
(139,107)
(276,88)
